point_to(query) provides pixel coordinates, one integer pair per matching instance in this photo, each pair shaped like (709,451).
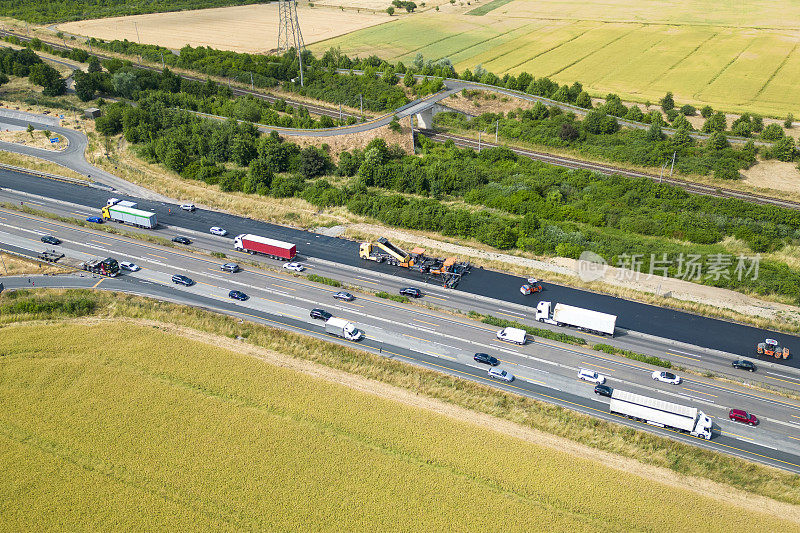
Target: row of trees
(48,11)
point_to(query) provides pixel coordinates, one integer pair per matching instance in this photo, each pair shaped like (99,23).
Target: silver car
(502,375)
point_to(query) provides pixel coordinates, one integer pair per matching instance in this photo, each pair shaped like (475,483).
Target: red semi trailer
(255,244)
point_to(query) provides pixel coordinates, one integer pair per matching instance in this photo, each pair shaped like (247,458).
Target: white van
(515,335)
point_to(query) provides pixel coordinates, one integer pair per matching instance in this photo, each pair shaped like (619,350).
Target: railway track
(696,188)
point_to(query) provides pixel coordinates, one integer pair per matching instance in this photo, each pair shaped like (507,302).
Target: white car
(666,377)
(297,267)
(188,207)
(591,376)
(127,265)
(216,230)
(502,375)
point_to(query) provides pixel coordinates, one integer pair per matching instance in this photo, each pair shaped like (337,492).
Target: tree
(568,131)
(94,65)
(667,102)
(634,113)
(125,84)
(3,78)
(789,122)
(772,132)
(654,133)
(390,10)
(716,122)
(562,94)
(410,6)
(30,130)
(529,224)
(717,141)
(409,80)
(47,133)
(597,122)
(784,149)
(688,110)
(706,112)
(681,139)
(757,124)
(394,125)
(259,177)
(682,123)
(583,100)
(84,85)
(314,162)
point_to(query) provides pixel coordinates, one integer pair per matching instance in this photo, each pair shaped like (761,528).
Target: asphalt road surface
(670,324)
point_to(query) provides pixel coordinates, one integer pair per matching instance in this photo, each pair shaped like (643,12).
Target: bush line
(649,359)
(538,332)
(395,297)
(322,279)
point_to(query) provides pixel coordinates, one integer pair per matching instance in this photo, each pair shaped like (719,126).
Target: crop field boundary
(498,36)
(594,51)
(555,47)
(723,69)
(491,6)
(684,58)
(778,69)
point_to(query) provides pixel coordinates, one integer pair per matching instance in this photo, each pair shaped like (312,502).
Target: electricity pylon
(289,34)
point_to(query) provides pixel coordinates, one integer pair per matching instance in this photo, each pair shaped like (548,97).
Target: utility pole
(361,106)
(496,132)
(340,114)
(252,87)
(411,127)
(135,25)
(479,141)
(661,178)
(673,164)
(163,66)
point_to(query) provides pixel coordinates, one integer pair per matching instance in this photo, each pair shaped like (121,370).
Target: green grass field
(133,428)
(737,56)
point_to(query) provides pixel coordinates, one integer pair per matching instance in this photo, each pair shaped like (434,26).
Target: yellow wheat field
(134,428)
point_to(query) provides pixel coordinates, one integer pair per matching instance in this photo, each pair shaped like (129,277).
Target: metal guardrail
(56,177)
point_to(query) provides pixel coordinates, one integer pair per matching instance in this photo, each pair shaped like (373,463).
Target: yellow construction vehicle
(448,270)
(382,250)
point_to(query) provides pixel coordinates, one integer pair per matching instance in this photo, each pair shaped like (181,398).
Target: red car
(738,415)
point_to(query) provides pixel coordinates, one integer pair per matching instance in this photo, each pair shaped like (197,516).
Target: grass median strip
(588,430)
(394,297)
(322,279)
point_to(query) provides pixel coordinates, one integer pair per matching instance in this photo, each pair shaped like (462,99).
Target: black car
(49,239)
(743,364)
(343,295)
(411,291)
(320,314)
(238,295)
(182,240)
(603,390)
(486,359)
(182,280)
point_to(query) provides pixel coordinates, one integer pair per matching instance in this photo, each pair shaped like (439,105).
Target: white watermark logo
(591,266)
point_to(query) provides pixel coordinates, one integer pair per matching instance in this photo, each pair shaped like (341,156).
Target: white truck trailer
(344,329)
(661,413)
(583,319)
(130,215)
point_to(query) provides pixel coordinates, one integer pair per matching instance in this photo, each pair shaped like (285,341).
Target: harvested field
(252,28)
(209,434)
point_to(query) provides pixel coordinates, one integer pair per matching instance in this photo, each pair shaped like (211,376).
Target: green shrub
(394,297)
(322,279)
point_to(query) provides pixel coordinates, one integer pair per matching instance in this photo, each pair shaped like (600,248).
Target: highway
(680,327)
(436,339)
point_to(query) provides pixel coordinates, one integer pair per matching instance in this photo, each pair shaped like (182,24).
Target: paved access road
(442,341)
(670,324)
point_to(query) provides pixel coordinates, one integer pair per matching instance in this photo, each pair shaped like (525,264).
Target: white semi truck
(344,329)
(583,319)
(661,413)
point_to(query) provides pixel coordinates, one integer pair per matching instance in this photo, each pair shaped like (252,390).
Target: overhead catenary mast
(289,35)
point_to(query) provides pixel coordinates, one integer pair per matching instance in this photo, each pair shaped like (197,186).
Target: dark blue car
(96,220)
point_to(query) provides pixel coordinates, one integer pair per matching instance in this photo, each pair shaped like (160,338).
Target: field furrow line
(554,47)
(723,69)
(112,471)
(684,58)
(499,35)
(609,43)
(631,59)
(775,72)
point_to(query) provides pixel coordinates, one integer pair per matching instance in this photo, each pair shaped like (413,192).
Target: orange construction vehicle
(772,348)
